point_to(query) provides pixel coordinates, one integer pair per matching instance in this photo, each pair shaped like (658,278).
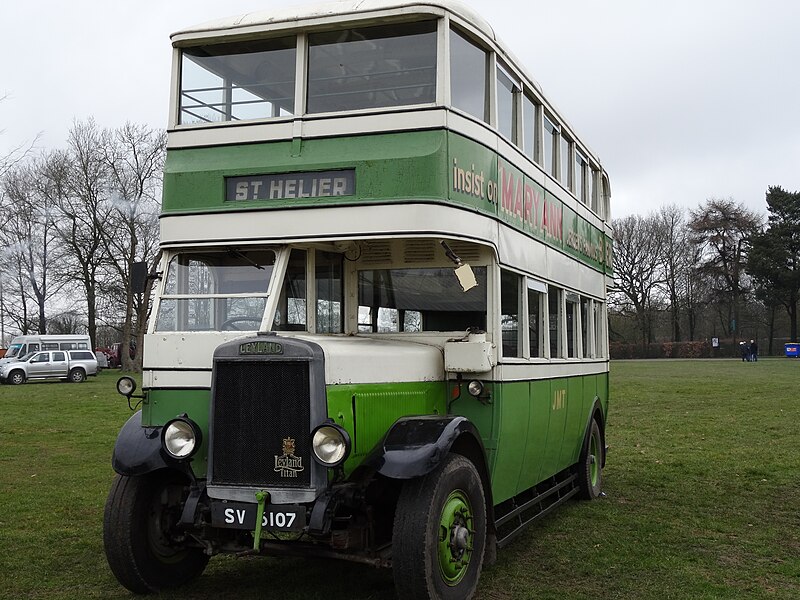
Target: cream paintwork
(184,359)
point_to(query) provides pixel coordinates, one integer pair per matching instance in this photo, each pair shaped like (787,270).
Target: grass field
(702,499)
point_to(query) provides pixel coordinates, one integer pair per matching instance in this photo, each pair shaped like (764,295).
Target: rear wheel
(77,375)
(440,533)
(590,474)
(144,548)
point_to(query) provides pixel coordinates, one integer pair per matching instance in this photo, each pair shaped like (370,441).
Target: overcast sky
(682,100)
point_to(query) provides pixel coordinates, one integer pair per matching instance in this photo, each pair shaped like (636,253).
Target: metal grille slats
(257,405)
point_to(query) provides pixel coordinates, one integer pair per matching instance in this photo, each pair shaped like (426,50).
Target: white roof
(282,18)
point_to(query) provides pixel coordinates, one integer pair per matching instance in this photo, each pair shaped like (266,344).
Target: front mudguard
(138,449)
(414,446)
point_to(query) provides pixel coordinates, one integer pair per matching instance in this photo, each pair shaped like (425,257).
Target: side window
(536,296)
(564,148)
(59,356)
(83,346)
(510,313)
(529,128)
(41,358)
(330,292)
(549,147)
(581,165)
(47,346)
(555,322)
(586,314)
(572,325)
(599,329)
(507,100)
(468,70)
(291,312)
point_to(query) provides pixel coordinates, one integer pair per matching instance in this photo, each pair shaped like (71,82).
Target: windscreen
(216,291)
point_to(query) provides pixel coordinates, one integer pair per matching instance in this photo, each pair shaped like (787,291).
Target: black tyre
(77,375)
(144,549)
(590,467)
(16,377)
(440,533)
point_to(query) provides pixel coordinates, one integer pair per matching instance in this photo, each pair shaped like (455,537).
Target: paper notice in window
(466,278)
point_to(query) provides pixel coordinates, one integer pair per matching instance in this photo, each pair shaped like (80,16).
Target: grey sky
(682,100)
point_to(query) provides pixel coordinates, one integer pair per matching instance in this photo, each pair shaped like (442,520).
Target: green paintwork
(366,411)
(456,513)
(531,430)
(162,405)
(427,166)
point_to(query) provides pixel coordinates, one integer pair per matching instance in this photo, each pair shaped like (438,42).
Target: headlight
(181,438)
(331,445)
(475,388)
(126,386)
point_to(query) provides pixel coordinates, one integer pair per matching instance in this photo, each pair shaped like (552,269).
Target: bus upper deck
(376,104)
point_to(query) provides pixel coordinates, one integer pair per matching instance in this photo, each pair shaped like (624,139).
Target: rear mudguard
(138,449)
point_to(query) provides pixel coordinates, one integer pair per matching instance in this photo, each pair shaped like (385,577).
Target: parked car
(71,365)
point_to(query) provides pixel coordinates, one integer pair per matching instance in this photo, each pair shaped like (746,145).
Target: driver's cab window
(217,290)
(291,313)
(328,281)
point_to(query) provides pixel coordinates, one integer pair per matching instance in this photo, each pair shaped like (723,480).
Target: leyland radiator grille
(261,425)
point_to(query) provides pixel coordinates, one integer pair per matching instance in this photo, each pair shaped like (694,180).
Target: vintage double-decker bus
(379,326)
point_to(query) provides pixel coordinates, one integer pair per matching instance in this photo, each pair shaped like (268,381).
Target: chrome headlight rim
(327,432)
(126,386)
(178,434)
(475,388)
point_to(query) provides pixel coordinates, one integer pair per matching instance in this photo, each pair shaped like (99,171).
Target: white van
(25,344)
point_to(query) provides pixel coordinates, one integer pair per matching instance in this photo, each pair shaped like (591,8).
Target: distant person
(753,351)
(743,350)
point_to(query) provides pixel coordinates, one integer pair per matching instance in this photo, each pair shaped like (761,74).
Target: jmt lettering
(283,186)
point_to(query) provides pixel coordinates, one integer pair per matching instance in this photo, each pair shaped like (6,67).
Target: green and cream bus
(379,327)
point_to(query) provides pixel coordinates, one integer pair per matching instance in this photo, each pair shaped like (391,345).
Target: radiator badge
(288,465)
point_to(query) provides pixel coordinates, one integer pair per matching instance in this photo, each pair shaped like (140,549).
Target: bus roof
(267,18)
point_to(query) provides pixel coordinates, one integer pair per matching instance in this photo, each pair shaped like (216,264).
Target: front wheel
(144,548)
(16,377)
(440,533)
(590,467)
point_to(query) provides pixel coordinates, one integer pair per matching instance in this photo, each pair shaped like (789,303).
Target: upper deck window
(468,83)
(507,99)
(241,81)
(372,67)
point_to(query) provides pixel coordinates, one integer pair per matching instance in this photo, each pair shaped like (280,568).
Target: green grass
(702,484)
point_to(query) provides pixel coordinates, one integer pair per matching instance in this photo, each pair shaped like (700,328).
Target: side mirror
(138,277)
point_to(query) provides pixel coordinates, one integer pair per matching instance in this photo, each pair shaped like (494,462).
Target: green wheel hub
(456,534)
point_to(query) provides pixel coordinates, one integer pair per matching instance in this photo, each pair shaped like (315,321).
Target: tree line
(74,220)
(719,271)
(72,223)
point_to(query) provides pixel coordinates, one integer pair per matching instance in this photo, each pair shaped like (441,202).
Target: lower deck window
(427,299)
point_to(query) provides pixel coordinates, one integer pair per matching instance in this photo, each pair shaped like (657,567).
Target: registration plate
(241,515)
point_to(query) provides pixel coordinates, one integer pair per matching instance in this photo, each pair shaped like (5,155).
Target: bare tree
(83,212)
(134,156)
(722,229)
(637,268)
(29,236)
(676,261)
